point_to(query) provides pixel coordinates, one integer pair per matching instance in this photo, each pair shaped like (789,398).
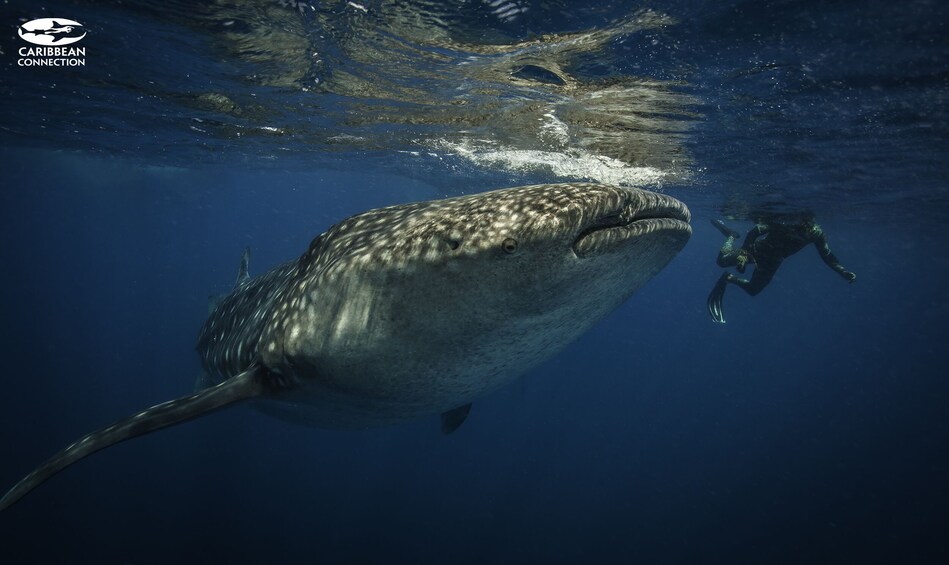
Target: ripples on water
(747,104)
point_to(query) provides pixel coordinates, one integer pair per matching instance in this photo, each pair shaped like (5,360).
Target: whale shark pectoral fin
(454,418)
(249,384)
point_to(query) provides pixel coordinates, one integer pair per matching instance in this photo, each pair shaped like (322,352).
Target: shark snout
(639,213)
(654,205)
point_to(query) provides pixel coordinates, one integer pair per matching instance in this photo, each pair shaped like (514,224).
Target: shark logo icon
(52,31)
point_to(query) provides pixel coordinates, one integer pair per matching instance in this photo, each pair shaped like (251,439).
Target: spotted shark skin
(417,309)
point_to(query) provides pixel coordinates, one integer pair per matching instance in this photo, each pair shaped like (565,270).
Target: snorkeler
(766,246)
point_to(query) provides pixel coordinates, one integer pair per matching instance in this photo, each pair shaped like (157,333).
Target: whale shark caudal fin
(249,384)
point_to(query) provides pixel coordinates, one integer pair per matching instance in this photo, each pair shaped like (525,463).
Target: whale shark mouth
(638,216)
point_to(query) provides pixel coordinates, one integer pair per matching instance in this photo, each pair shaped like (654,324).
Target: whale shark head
(431,304)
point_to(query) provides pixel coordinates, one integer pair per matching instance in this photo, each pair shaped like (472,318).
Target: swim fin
(715,299)
(726,231)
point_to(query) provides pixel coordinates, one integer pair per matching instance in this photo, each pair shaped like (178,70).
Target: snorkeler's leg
(726,231)
(764,272)
(728,256)
(716,297)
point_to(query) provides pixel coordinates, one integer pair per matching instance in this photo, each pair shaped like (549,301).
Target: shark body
(417,309)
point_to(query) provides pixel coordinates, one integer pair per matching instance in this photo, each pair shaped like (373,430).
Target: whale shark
(416,309)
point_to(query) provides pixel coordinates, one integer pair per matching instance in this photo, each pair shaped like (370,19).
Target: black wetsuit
(768,245)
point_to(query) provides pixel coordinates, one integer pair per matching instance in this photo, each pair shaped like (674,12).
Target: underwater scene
(474,281)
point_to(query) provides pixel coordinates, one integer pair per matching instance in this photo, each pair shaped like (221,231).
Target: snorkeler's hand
(741,261)
(849,276)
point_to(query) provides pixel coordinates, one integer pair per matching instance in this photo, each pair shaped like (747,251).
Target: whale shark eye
(509,245)
(452,243)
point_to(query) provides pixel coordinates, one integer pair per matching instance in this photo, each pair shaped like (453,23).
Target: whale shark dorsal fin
(214,300)
(454,418)
(249,384)
(242,273)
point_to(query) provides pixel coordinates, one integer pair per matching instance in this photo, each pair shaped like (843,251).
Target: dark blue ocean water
(811,428)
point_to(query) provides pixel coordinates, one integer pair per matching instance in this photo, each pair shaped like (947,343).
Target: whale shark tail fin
(715,299)
(249,384)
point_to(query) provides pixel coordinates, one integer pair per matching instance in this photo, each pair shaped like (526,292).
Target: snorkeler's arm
(820,242)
